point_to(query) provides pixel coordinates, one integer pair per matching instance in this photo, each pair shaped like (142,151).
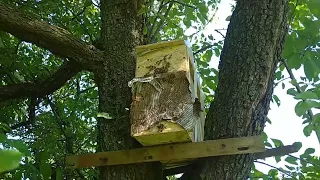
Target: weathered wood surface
(167,153)
(167,99)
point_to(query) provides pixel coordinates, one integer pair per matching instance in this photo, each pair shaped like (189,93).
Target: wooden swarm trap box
(167,105)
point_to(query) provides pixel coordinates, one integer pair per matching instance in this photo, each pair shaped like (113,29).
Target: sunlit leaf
(10,159)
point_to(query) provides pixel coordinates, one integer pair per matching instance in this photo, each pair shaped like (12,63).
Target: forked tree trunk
(120,33)
(249,58)
(248,61)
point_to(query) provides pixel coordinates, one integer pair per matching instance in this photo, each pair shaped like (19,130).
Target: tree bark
(42,87)
(120,33)
(248,62)
(249,58)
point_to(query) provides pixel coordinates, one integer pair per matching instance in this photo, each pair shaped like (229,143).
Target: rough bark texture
(43,87)
(249,57)
(119,36)
(248,61)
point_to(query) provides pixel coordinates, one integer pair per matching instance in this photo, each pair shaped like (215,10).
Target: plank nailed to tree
(170,152)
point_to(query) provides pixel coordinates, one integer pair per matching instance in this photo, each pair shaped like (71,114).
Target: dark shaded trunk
(248,61)
(120,33)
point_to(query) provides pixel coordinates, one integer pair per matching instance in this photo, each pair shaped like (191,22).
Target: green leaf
(142,10)
(267,144)
(276,99)
(298,145)
(4,127)
(216,52)
(291,160)
(290,167)
(309,151)
(19,145)
(3,138)
(306,95)
(186,22)
(277,142)
(59,173)
(87,3)
(10,159)
(294,61)
(273,173)
(1,43)
(309,69)
(314,6)
(277,158)
(228,18)
(292,92)
(145,30)
(45,169)
(104,115)
(307,130)
(304,106)
(288,47)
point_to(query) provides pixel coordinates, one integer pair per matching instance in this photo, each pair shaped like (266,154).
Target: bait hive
(167,105)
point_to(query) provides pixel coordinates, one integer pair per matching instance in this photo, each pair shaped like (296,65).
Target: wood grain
(167,153)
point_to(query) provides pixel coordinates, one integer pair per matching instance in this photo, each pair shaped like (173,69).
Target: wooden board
(164,133)
(167,153)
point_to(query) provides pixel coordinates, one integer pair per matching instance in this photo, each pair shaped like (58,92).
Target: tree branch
(279,151)
(38,89)
(159,26)
(292,77)
(279,169)
(57,40)
(184,4)
(203,49)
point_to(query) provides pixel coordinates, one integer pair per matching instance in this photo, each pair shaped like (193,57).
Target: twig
(220,33)
(309,112)
(160,23)
(78,14)
(281,170)
(31,115)
(75,17)
(204,27)
(276,84)
(203,49)
(155,20)
(304,160)
(184,4)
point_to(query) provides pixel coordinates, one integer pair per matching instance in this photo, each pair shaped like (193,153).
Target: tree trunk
(249,59)
(120,33)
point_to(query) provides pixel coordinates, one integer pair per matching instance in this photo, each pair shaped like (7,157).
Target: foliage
(63,123)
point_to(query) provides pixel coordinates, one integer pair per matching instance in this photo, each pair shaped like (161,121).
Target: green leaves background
(64,122)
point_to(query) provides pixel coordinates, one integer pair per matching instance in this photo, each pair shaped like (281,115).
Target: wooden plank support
(279,151)
(190,150)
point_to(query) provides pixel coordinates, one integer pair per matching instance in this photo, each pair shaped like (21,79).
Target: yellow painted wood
(150,47)
(166,153)
(174,56)
(165,133)
(169,57)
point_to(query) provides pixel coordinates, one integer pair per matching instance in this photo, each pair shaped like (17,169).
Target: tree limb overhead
(53,38)
(47,86)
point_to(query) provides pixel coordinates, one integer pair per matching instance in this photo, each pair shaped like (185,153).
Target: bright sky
(286,125)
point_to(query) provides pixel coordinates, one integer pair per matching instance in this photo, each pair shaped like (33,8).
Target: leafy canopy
(40,132)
